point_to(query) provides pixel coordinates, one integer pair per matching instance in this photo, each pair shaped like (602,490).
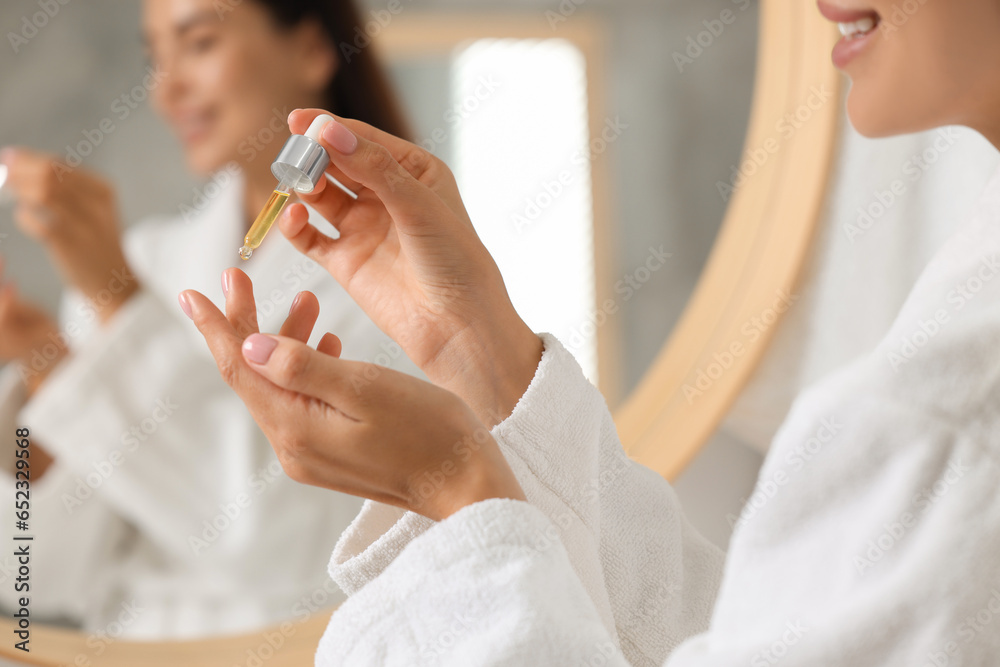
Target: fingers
(295,366)
(374,159)
(419,162)
(8,296)
(330,344)
(300,119)
(241,309)
(222,339)
(241,312)
(332,203)
(371,164)
(294,225)
(301,317)
(34,221)
(37,181)
(51,195)
(29,173)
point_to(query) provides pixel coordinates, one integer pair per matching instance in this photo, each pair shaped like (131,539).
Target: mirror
(734,311)
(624,174)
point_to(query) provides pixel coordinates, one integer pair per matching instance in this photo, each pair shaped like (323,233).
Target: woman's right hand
(74,214)
(410,257)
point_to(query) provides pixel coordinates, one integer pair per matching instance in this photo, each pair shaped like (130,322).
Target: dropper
(298,167)
(265,219)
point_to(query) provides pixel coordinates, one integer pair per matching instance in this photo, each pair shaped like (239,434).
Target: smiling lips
(193,125)
(857,27)
(841,15)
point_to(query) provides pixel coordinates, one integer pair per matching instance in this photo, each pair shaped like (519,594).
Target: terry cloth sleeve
(487,586)
(651,578)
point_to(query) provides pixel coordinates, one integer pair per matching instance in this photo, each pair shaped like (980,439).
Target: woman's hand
(410,257)
(353,427)
(28,336)
(73,213)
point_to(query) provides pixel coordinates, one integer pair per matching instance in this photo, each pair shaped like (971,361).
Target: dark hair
(360,89)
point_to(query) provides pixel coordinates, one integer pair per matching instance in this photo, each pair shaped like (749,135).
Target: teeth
(857,28)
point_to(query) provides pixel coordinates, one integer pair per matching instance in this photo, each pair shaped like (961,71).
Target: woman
(506,526)
(162,495)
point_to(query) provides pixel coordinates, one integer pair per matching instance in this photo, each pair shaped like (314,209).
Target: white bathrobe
(166,512)
(873,537)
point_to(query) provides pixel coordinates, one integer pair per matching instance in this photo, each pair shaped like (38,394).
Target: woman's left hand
(28,335)
(349,426)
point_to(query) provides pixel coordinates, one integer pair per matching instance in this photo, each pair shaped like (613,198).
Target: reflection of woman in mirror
(505,524)
(160,493)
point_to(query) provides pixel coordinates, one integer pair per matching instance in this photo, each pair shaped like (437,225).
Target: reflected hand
(410,257)
(74,214)
(27,331)
(350,426)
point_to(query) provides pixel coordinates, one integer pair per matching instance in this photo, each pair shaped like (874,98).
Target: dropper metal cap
(302,160)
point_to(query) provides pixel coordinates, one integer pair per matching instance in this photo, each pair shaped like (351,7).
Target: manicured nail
(295,302)
(338,136)
(225,283)
(185,304)
(257,348)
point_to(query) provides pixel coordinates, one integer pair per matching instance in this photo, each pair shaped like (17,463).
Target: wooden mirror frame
(759,252)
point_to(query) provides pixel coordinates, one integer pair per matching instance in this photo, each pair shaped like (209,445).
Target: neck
(992,135)
(987,119)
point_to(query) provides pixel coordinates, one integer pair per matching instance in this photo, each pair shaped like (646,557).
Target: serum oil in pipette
(263,223)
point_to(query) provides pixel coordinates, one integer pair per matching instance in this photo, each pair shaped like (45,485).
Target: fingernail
(257,348)
(225,283)
(185,304)
(6,153)
(338,136)
(295,302)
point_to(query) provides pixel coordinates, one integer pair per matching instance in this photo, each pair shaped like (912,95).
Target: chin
(877,115)
(874,118)
(204,163)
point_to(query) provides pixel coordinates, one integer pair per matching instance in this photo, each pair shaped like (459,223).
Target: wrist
(485,477)
(112,293)
(106,308)
(489,365)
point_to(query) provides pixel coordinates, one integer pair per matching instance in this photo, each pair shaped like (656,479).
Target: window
(513,106)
